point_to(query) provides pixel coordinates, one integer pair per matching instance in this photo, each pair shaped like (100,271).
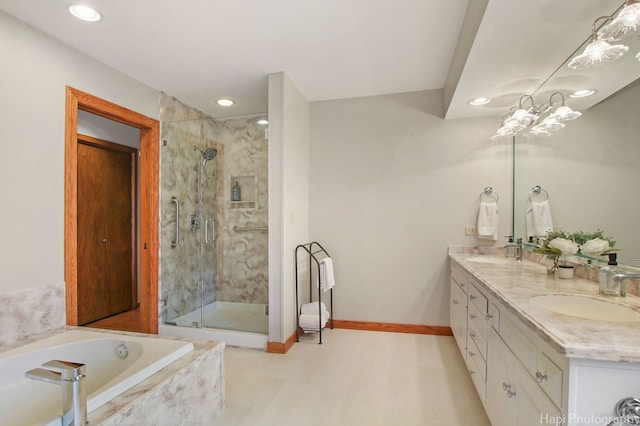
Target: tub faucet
(621,279)
(69,375)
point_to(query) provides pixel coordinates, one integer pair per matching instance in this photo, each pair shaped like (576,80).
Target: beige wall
(391,185)
(35,71)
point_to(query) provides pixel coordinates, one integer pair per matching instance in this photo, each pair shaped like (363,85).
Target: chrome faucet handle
(70,371)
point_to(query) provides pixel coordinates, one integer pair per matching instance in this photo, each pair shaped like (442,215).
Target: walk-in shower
(214,282)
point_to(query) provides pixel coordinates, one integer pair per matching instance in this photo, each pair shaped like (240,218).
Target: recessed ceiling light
(479,101)
(84,13)
(225,102)
(582,93)
(263,121)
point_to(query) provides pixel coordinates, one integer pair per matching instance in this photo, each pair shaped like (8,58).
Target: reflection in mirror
(591,167)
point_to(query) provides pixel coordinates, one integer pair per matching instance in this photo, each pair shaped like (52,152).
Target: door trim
(149,201)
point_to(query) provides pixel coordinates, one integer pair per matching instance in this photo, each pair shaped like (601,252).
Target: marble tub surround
(514,283)
(31,312)
(191,390)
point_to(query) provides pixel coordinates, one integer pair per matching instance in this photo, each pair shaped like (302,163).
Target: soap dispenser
(605,277)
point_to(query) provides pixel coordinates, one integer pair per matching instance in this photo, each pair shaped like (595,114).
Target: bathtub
(29,402)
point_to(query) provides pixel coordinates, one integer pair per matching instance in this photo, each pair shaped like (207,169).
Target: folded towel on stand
(327,280)
(312,308)
(487,226)
(309,322)
(540,218)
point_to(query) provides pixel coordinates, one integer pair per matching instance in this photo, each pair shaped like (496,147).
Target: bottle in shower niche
(236,192)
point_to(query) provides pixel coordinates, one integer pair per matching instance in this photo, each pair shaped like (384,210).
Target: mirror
(591,167)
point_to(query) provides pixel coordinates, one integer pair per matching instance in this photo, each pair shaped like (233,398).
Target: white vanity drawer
(478,319)
(549,376)
(520,345)
(478,361)
(460,278)
(478,299)
(478,380)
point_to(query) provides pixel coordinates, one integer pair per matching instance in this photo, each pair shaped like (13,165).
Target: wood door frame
(149,164)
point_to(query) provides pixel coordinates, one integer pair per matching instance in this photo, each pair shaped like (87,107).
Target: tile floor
(354,378)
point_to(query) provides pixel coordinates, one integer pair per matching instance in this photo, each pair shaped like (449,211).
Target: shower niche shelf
(248,192)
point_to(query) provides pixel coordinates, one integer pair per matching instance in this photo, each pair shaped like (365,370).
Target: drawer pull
(462,284)
(471,372)
(471,353)
(489,316)
(505,386)
(472,335)
(510,393)
(540,377)
(472,316)
(472,297)
(455,302)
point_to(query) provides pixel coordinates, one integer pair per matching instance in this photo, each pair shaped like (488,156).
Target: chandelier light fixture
(537,120)
(597,51)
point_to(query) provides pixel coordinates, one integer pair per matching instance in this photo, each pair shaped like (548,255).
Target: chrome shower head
(209,154)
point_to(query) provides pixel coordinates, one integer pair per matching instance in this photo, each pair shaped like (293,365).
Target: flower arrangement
(558,245)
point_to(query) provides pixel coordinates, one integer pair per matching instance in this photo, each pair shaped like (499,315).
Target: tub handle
(176,241)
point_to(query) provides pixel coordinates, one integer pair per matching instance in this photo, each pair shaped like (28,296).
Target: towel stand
(315,250)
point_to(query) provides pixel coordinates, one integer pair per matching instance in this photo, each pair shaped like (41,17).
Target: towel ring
(489,192)
(538,190)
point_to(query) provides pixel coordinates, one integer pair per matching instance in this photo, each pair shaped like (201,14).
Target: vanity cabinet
(519,379)
(458,309)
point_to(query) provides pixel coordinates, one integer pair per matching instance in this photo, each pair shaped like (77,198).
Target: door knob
(104,240)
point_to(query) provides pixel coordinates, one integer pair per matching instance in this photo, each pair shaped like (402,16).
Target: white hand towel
(487,226)
(327,280)
(541,217)
(312,308)
(309,322)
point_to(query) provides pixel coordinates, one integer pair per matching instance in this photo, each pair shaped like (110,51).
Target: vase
(565,271)
(551,263)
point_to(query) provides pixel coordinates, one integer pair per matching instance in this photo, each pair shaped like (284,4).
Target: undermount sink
(585,307)
(490,259)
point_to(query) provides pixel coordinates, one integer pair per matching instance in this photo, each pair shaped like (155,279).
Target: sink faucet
(69,375)
(519,249)
(620,278)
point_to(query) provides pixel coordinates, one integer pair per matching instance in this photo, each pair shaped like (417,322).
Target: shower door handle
(175,242)
(213,230)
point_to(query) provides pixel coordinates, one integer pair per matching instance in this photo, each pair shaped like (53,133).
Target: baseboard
(281,348)
(438,330)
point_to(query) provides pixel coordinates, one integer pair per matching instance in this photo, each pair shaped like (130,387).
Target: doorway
(107,278)
(147,253)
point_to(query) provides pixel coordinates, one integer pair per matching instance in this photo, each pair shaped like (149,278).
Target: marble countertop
(514,284)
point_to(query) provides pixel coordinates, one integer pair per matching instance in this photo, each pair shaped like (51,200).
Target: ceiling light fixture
(225,102)
(583,93)
(479,101)
(597,51)
(622,25)
(84,13)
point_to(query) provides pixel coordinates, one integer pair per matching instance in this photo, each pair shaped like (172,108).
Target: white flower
(595,246)
(567,247)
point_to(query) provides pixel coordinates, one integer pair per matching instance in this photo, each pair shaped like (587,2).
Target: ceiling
(202,50)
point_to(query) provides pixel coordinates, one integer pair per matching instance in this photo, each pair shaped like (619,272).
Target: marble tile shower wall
(235,263)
